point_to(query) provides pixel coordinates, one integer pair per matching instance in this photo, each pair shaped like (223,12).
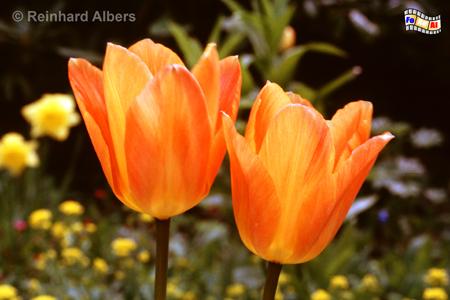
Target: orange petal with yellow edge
(297,152)
(230,93)
(350,127)
(124,77)
(207,72)
(297,99)
(255,203)
(155,55)
(349,180)
(268,103)
(167,144)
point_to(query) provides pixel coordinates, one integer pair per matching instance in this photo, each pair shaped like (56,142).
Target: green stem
(162,257)
(273,273)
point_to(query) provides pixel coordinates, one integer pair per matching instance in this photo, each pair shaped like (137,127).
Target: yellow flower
(76,227)
(287,38)
(7,292)
(73,255)
(283,279)
(44,297)
(100,265)
(279,295)
(235,290)
(339,282)
(320,295)
(90,227)
(370,283)
(40,219)
(16,153)
(436,277)
(145,218)
(123,246)
(51,115)
(173,290)
(71,208)
(34,285)
(58,230)
(144,256)
(435,293)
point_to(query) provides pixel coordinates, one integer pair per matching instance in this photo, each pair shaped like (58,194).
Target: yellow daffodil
(7,292)
(100,265)
(16,154)
(52,115)
(435,293)
(40,219)
(339,282)
(122,247)
(320,295)
(436,277)
(71,208)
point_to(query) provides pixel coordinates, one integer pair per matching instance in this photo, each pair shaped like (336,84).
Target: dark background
(405,74)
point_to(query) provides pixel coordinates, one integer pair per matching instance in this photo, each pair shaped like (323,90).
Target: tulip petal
(349,180)
(167,144)
(87,84)
(255,202)
(297,151)
(270,100)
(297,99)
(155,55)
(350,127)
(207,73)
(124,77)
(230,93)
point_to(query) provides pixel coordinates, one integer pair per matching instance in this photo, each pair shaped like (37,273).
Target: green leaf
(339,81)
(190,47)
(229,45)
(214,36)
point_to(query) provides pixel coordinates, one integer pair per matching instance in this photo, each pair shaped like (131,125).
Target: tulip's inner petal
(207,72)
(255,203)
(298,153)
(230,93)
(268,103)
(297,99)
(155,55)
(167,144)
(87,84)
(350,127)
(349,180)
(124,77)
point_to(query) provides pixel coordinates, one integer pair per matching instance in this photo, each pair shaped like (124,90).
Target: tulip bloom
(155,125)
(295,175)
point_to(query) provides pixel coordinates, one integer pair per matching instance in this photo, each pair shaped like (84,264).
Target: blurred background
(396,242)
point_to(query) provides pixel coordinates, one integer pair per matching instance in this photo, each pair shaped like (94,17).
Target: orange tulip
(295,175)
(155,125)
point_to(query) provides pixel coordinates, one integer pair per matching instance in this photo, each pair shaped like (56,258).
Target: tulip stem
(273,273)
(162,257)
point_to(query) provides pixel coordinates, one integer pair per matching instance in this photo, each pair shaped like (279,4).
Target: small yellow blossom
(145,218)
(320,295)
(52,115)
(123,246)
(173,290)
(44,297)
(50,254)
(279,295)
(16,154)
(100,265)
(287,38)
(435,293)
(7,292)
(370,283)
(436,277)
(71,208)
(283,279)
(90,227)
(41,219)
(144,256)
(34,285)
(58,230)
(235,290)
(77,227)
(339,282)
(73,255)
